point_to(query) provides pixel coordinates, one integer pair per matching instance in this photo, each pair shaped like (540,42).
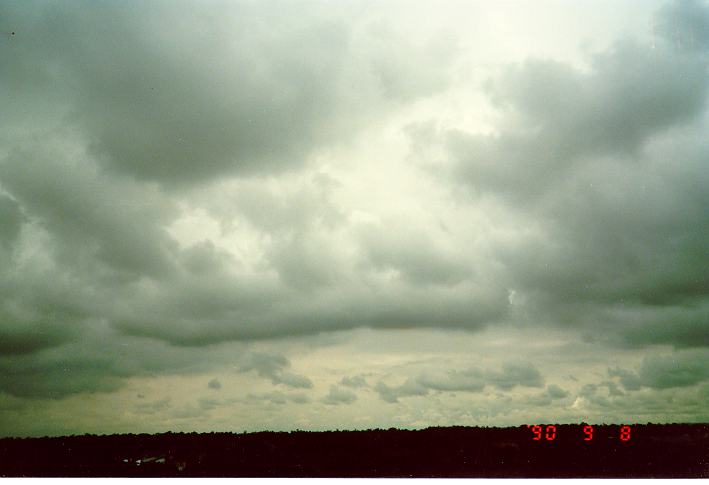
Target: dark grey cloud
(559,117)
(180,93)
(60,378)
(10,220)
(273,367)
(683,326)
(90,214)
(353,381)
(613,389)
(338,395)
(110,109)
(556,392)
(77,243)
(411,387)
(204,258)
(100,359)
(280,398)
(590,393)
(678,370)
(666,371)
(628,379)
(86,240)
(602,173)
(118,120)
(32,323)
(294,218)
(303,262)
(218,307)
(412,254)
(515,374)
(551,393)
(684,24)
(511,374)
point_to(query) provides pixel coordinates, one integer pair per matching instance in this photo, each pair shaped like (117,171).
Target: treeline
(651,450)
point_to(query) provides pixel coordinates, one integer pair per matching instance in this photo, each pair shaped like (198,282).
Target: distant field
(677,450)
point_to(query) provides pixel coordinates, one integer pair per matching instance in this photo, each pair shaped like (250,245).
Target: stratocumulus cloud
(369,213)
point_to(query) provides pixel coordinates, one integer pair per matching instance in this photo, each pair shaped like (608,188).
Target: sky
(280,215)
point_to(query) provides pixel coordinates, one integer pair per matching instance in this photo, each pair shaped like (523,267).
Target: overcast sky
(235,215)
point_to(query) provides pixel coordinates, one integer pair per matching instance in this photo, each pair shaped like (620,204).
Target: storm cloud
(604,171)
(179,93)
(333,207)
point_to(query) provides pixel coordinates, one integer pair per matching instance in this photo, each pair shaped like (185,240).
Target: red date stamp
(548,433)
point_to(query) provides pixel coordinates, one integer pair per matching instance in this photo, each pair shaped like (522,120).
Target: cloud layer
(190,188)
